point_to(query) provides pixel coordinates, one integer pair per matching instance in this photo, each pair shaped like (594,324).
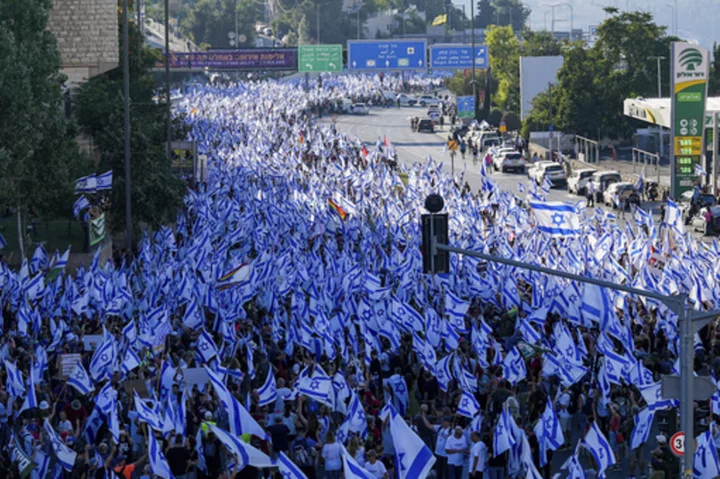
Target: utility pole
(472,53)
(317,21)
(358,23)
(167,77)
(660,127)
(126,126)
(465,29)
(550,117)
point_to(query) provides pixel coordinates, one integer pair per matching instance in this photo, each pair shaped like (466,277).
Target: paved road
(394,123)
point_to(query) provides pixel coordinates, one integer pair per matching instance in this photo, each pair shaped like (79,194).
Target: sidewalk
(627,171)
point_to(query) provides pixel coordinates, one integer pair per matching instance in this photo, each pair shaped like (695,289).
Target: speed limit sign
(677,443)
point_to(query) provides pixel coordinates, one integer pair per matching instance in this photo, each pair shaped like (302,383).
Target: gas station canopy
(656,111)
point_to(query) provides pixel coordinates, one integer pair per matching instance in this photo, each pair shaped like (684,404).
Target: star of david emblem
(204,346)
(641,430)
(360,415)
(272,388)
(104,358)
(601,453)
(381,312)
(400,388)
(701,452)
(499,429)
(609,366)
(400,458)
(558,219)
(548,423)
(315,384)
(465,403)
(79,375)
(573,299)
(367,314)
(569,351)
(658,393)
(287,475)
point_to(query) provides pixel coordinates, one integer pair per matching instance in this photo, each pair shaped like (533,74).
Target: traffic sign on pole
(503,127)
(677,443)
(320,58)
(387,55)
(466,106)
(457,56)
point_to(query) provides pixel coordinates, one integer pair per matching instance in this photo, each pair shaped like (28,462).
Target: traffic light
(439,229)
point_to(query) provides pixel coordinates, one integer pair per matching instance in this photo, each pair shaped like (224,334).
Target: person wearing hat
(279,433)
(126,470)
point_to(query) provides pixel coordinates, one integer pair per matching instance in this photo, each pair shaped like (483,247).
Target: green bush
(495,117)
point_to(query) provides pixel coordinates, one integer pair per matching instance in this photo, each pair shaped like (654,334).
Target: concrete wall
(535,74)
(87,36)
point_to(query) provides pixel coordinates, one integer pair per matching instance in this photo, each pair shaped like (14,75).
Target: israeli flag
(147,414)
(596,442)
(641,431)
(288,469)
(267,394)
(468,405)
(442,373)
(705,459)
(200,450)
(412,456)
(456,309)
(548,432)
(246,454)
(103,359)
(206,348)
(131,361)
(80,380)
(556,218)
(503,438)
(3,242)
(317,387)
(30,401)
(80,204)
(158,463)
(352,469)
(64,454)
(241,422)
(14,383)
(699,171)
(401,398)
(86,184)
(104,181)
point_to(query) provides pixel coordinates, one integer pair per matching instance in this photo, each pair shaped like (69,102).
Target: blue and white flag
(131,361)
(267,394)
(245,453)
(158,463)
(104,181)
(14,383)
(705,459)
(401,397)
(641,431)
(200,450)
(468,405)
(455,309)
(65,455)
(206,348)
(80,204)
(30,401)
(556,218)
(548,432)
(596,442)
(699,170)
(288,469)
(86,184)
(317,387)
(3,242)
(103,360)
(503,438)
(412,457)
(241,422)
(80,379)
(147,414)
(352,469)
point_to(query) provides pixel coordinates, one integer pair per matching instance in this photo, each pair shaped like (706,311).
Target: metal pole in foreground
(472,50)
(716,154)
(126,114)
(167,76)
(686,385)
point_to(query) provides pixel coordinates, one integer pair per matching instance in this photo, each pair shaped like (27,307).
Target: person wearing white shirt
(375,467)
(456,446)
(478,457)
(443,432)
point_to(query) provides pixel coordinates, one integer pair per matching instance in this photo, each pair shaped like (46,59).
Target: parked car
(346,105)
(577,182)
(426,99)
(360,109)
(406,100)
(688,208)
(513,161)
(602,179)
(707,220)
(552,171)
(617,190)
(530,170)
(426,124)
(497,154)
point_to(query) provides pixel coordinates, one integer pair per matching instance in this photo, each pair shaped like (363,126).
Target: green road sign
(320,58)
(689,90)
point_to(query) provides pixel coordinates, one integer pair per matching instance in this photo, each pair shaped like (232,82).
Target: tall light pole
(472,53)
(167,78)
(673,28)
(572,16)
(660,127)
(126,126)
(317,21)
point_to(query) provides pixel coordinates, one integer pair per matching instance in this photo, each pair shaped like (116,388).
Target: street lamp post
(660,127)
(167,77)
(472,54)
(126,123)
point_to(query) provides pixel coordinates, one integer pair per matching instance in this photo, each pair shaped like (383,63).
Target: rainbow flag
(332,204)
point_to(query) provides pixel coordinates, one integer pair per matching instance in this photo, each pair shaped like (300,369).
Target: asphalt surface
(412,147)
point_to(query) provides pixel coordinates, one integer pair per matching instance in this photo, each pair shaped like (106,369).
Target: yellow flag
(439,20)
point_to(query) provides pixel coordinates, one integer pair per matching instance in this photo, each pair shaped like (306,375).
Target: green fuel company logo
(690,59)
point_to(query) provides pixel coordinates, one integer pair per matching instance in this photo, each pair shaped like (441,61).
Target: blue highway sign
(457,56)
(387,55)
(466,106)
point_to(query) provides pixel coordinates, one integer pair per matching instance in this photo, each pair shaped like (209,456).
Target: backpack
(301,455)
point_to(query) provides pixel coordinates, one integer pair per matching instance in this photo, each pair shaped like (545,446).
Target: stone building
(87,36)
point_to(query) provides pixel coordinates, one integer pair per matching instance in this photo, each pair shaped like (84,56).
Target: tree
(714,83)
(512,121)
(210,21)
(485,14)
(576,106)
(539,117)
(460,84)
(38,155)
(504,50)
(511,13)
(540,44)
(495,117)
(156,192)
